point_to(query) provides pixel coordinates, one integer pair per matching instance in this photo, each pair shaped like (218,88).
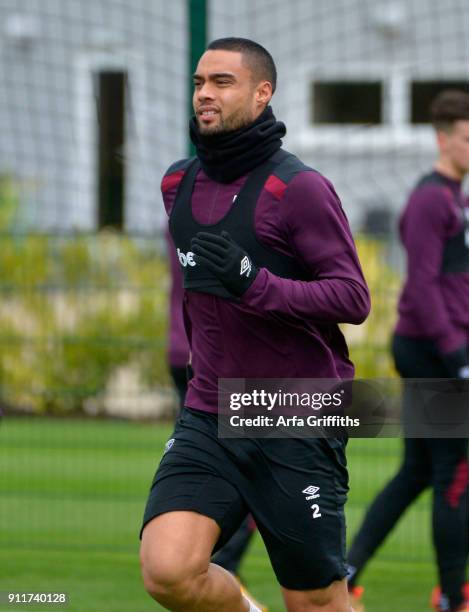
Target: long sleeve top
(291,325)
(433,304)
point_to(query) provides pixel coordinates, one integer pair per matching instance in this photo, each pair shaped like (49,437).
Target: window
(111,142)
(347,102)
(422,94)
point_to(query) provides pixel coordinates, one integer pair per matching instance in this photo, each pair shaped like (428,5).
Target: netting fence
(94,98)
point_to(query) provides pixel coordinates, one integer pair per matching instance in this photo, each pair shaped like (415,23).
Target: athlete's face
(225,94)
(454,147)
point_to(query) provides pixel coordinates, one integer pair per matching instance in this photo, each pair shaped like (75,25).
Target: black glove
(226,260)
(457,362)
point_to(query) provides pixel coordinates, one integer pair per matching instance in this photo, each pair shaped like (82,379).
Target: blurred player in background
(231,554)
(431,340)
(270,269)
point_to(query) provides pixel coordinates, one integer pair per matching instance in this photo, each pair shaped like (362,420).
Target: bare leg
(176,569)
(333,598)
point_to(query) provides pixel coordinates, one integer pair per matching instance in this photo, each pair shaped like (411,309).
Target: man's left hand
(226,260)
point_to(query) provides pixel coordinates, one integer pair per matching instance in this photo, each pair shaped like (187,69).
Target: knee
(167,578)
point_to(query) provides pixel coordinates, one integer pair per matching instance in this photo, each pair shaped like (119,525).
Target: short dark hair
(257,57)
(449,106)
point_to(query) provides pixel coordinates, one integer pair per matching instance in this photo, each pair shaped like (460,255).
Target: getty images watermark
(281,404)
(305,408)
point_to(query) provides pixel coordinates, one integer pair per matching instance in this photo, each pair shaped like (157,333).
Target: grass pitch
(71,500)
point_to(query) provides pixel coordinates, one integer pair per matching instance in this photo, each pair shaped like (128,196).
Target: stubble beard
(235,121)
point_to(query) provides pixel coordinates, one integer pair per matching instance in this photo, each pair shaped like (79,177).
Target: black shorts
(295,489)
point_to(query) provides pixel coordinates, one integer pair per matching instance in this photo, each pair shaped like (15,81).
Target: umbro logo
(311,492)
(246,266)
(168,445)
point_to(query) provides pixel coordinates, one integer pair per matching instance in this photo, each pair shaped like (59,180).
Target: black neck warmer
(228,155)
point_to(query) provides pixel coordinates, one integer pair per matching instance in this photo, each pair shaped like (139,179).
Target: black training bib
(238,222)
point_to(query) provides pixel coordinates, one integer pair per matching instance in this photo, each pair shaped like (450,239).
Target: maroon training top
(305,220)
(433,305)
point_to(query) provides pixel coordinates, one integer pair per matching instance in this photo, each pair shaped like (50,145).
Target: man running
(270,269)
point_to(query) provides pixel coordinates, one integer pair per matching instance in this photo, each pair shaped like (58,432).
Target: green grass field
(71,499)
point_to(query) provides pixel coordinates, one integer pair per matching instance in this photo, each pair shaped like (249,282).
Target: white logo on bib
(186,259)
